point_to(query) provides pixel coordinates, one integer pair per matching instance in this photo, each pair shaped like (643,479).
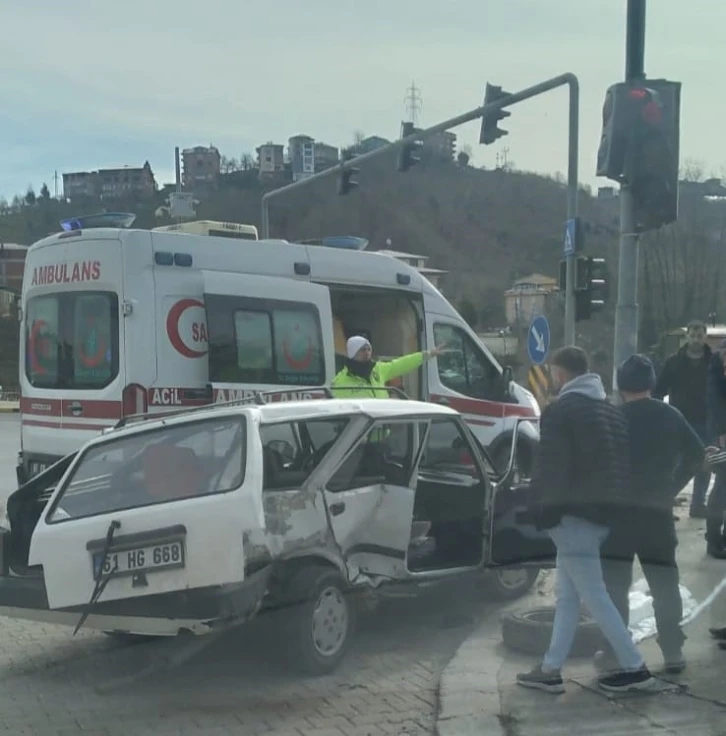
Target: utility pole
(626,313)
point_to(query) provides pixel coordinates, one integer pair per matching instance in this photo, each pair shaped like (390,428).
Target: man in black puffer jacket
(581,477)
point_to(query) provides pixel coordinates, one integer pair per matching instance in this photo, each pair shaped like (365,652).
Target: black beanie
(636,374)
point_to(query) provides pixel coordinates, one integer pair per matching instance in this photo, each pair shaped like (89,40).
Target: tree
(247,161)
(228,165)
(30,197)
(683,263)
(45,193)
(358,138)
(468,312)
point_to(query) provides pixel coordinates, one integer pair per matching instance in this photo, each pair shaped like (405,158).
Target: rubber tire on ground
(529,632)
(496,589)
(308,586)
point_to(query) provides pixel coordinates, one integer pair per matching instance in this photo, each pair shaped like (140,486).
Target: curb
(9,409)
(468,697)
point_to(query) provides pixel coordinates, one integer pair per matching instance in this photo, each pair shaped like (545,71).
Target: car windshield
(158,466)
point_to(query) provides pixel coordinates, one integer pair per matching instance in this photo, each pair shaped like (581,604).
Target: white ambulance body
(122,321)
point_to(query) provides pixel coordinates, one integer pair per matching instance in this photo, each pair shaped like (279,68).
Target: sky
(96,84)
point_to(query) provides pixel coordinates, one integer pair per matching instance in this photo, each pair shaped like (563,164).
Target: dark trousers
(703,477)
(716,508)
(651,535)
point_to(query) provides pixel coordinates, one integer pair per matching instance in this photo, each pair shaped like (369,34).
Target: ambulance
(118,321)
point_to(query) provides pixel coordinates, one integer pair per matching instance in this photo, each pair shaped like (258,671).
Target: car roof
(288,411)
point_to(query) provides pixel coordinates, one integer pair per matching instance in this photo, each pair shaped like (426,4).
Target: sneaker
(629,681)
(537,679)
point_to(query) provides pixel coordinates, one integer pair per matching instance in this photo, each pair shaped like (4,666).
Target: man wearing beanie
(362,377)
(581,473)
(665,454)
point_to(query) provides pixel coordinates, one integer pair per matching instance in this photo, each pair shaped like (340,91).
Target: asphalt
(478,692)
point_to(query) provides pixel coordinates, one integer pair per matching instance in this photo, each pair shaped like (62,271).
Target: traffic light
(591,286)
(408,154)
(490,120)
(346,182)
(639,147)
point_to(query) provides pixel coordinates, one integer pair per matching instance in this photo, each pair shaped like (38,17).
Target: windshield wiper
(101,580)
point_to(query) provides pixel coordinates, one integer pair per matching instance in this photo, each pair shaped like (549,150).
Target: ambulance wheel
(323,622)
(510,583)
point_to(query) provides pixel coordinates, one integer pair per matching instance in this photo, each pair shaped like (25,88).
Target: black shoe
(629,681)
(698,512)
(549,682)
(719,634)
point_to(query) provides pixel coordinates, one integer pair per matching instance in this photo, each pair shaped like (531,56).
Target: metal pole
(525,94)
(572,190)
(626,312)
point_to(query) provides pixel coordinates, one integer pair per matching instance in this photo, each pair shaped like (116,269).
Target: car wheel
(510,583)
(522,460)
(323,623)
(529,632)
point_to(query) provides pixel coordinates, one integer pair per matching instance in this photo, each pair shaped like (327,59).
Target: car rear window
(159,466)
(72,340)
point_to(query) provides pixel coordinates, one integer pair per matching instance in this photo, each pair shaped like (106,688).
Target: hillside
(485,227)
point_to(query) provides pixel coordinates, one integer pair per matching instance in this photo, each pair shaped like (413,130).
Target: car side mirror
(505,381)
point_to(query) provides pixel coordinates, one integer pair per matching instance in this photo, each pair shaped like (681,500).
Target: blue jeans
(703,477)
(579,578)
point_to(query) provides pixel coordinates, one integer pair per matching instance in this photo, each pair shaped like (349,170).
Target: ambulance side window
(464,368)
(264,341)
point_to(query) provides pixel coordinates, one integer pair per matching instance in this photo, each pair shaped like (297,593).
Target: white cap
(354,344)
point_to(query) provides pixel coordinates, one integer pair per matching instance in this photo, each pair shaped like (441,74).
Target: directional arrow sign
(538,339)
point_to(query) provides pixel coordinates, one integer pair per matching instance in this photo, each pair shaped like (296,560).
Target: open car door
(513,537)
(157,513)
(370,499)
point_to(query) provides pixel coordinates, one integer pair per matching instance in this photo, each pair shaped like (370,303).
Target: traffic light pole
(507,101)
(572,165)
(626,313)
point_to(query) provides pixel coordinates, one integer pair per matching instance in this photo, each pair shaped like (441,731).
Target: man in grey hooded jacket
(581,479)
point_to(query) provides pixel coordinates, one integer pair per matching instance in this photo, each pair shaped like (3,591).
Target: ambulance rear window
(71,340)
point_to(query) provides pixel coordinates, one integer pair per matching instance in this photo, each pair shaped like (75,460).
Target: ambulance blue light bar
(101,219)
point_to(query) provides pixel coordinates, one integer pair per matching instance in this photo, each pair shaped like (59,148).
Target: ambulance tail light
(134,400)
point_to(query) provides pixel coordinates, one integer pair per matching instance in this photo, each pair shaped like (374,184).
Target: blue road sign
(538,339)
(570,237)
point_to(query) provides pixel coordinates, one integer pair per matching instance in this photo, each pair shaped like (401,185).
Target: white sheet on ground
(642,617)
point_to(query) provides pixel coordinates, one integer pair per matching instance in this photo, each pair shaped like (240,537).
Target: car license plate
(140,559)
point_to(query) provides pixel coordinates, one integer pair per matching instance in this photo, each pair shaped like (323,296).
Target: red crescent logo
(92,361)
(301,364)
(35,366)
(172,328)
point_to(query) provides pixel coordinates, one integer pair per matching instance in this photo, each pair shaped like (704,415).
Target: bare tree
(683,263)
(358,138)
(247,161)
(228,165)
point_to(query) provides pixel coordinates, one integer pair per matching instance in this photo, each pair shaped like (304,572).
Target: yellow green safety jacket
(381,374)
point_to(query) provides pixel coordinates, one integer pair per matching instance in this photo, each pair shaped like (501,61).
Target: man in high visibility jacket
(362,372)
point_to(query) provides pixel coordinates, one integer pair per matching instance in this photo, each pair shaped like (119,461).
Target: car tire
(529,632)
(522,462)
(322,620)
(510,583)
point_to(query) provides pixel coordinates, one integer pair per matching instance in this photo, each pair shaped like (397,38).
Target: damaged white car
(199,521)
